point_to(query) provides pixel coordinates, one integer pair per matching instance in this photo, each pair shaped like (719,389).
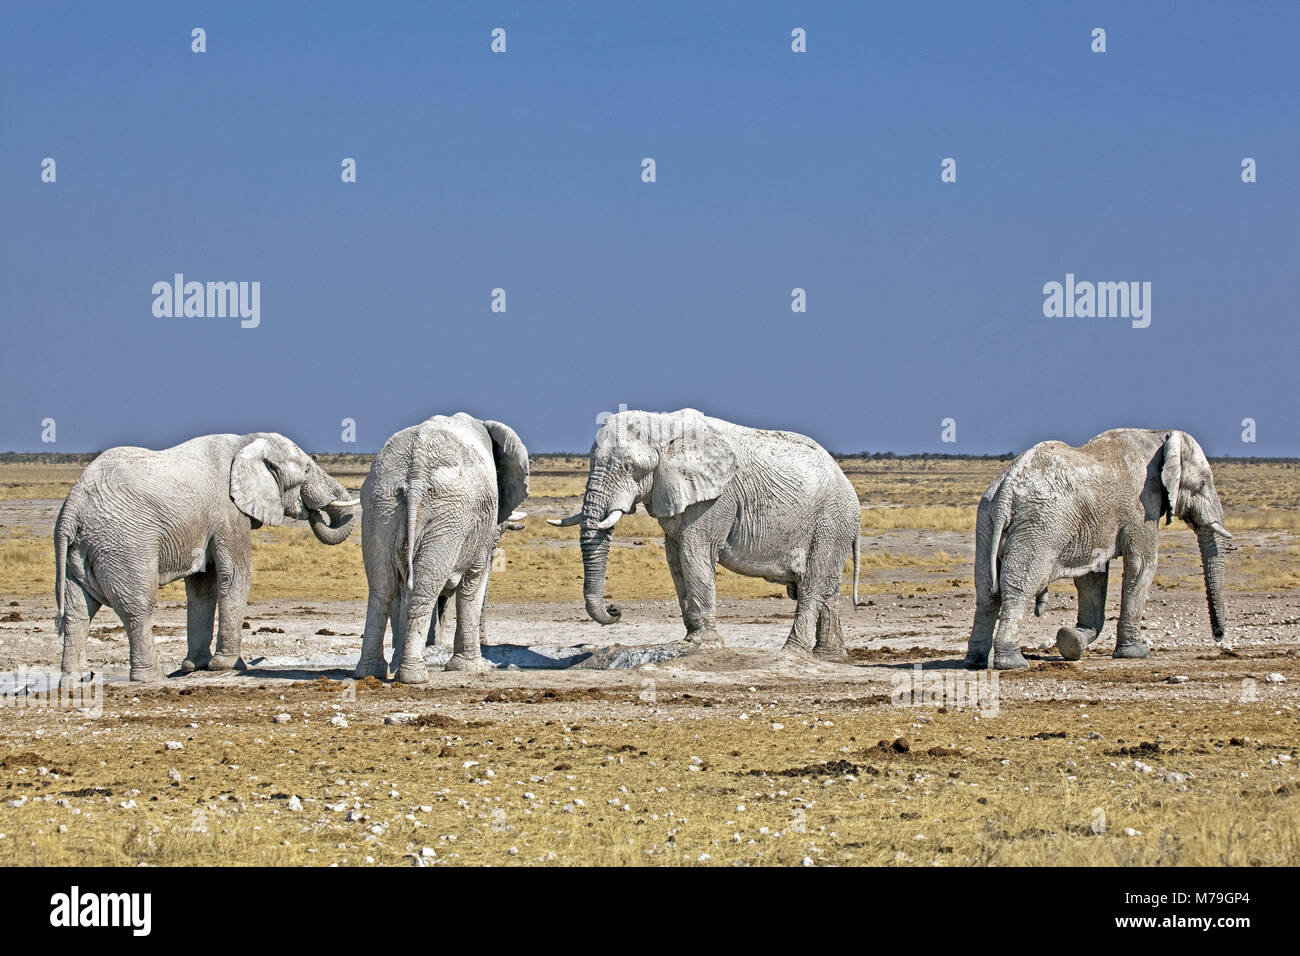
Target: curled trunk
(317,494)
(1212,565)
(337,530)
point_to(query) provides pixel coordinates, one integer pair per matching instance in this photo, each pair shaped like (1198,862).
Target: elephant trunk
(319,496)
(1212,565)
(595,559)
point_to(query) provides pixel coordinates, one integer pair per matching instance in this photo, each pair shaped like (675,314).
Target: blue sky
(775,170)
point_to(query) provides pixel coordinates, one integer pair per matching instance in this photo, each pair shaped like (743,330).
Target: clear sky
(775,170)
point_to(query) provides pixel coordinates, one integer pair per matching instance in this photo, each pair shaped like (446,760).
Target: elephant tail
(1001,518)
(857,554)
(62,542)
(413,495)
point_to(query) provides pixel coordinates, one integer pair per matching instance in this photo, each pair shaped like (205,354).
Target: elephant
(437,499)
(139,519)
(768,504)
(1065,512)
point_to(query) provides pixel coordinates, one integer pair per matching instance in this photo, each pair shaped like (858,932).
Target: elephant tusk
(565,522)
(610,520)
(1219,529)
(517,516)
(340,503)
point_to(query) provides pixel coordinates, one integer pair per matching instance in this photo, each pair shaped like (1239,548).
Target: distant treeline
(364,458)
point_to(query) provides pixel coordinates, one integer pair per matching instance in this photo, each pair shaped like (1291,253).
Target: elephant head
(1188,493)
(666,461)
(272,479)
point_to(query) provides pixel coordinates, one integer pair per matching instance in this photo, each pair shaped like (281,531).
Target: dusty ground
(724,756)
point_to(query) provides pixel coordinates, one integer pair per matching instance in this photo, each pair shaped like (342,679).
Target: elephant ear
(692,468)
(1171,473)
(511,458)
(253,487)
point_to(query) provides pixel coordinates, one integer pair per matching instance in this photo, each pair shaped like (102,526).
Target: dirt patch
(859,655)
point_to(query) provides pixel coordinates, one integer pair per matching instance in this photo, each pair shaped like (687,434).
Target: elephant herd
(763,503)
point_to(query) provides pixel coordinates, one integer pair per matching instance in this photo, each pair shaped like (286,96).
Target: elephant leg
(138,618)
(1091,588)
(200,613)
(470,596)
(233,581)
(987,610)
(830,635)
(482,605)
(409,667)
(1006,643)
(440,622)
(78,611)
(433,571)
(828,568)
(379,605)
(698,563)
(673,552)
(397,624)
(1139,571)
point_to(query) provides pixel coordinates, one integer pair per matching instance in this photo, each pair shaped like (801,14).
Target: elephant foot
(147,675)
(70,682)
(477,665)
(189,665)
(1072,641)
(977,657)
(792,650)
(226,662)
(1009,659)
(831,653)
(412,673)
(1133,649)
(705,637)
(378,668)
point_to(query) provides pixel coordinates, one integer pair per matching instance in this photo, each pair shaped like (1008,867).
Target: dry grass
(542,563)
(616,789)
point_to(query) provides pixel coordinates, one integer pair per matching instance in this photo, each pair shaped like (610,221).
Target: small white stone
(1275,678)
(338,720)
(174,775)
(295,804)
(174,745)
(282,718)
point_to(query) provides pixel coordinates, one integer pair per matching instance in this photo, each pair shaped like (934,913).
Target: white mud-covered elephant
(767,504)
(436,501)
(1064,512)
(138,519)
